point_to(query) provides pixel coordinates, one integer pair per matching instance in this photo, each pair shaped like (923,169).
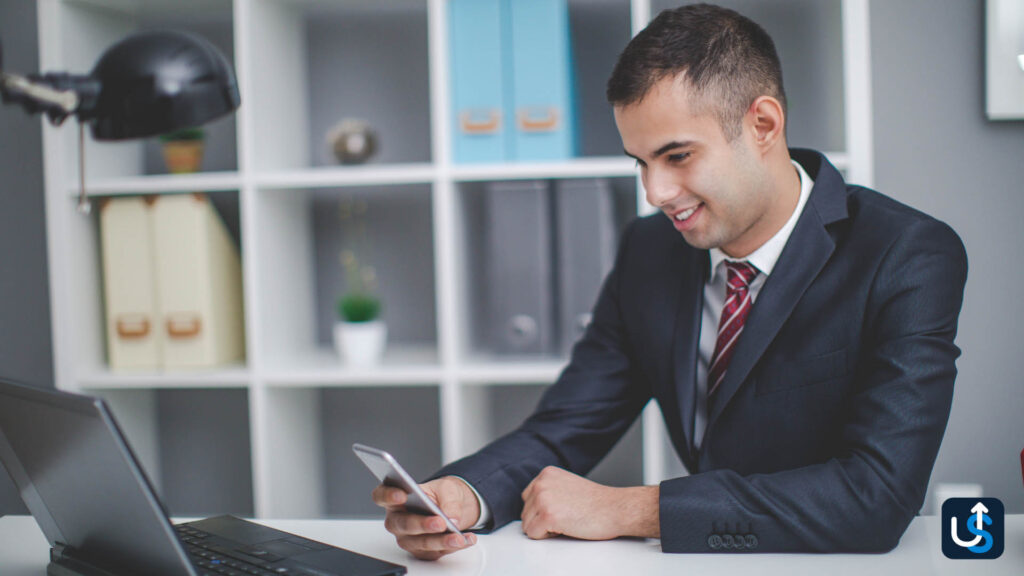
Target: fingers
(425,537)
(389,497)
(432,547)
(409,524)
(431,543)
(536,525)
(538,516)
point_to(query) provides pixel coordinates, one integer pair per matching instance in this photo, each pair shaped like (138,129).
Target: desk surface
(24,552)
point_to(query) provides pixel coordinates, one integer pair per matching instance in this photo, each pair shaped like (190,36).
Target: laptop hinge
(63,563)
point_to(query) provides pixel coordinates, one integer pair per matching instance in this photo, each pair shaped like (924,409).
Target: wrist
(640,511)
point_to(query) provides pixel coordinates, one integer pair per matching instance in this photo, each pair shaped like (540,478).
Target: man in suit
(796,331)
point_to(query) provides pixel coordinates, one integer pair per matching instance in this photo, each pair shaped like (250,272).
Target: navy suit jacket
(823,434)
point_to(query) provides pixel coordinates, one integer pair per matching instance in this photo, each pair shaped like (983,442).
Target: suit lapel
(808,249)
(693,266)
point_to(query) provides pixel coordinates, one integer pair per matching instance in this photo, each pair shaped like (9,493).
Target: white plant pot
(361,343)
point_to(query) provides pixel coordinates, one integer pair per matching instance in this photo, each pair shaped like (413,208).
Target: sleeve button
(751,541)
(714,541)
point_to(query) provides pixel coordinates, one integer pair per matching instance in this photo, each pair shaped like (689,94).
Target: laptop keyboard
(210,559)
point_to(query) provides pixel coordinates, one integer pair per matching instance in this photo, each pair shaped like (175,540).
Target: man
(797,333)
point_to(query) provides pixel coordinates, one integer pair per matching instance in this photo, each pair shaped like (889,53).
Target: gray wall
(935,150)
(25,352)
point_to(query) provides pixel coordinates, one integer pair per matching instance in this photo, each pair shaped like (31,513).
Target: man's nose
(660,187)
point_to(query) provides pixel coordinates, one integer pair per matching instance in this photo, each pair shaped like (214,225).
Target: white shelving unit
(302,65)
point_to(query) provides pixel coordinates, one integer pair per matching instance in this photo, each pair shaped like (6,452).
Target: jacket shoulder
(883,216)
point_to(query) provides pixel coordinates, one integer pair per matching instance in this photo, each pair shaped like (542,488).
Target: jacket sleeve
(579,419)
(863,499)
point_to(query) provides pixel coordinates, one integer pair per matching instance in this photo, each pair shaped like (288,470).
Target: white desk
(24,552)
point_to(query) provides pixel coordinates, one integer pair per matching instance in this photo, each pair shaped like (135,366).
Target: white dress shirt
(764,259)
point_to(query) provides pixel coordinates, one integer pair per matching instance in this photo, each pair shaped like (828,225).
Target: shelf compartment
(489,412)
(531,262)
(193,444)
(324,478)
(600,30)
(89,324)
(89,28)
(300,275)
(314,63)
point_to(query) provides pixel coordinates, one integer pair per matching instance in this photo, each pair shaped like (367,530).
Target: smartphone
(390,473)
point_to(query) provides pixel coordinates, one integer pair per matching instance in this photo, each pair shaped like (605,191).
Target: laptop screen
(80,480)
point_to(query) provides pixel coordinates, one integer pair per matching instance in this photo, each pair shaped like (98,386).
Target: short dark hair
(728,59)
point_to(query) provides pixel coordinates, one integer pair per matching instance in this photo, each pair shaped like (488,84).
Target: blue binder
(541,81)
(512,80)
(479,122)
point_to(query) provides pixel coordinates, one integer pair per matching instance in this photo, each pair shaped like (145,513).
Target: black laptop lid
(82,483)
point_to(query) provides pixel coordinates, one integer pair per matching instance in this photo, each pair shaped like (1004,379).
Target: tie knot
(741,274)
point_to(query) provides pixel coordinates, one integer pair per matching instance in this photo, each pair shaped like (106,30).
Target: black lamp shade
(156,82)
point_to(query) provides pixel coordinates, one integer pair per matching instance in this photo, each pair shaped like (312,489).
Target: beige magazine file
(172,284)
(133,337)
(199,284)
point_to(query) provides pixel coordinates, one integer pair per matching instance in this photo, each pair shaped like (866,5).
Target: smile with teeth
(686,213)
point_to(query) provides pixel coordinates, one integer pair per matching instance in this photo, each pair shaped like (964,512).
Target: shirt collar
(765,257)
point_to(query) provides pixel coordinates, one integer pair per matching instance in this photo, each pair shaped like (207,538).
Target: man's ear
(767,120)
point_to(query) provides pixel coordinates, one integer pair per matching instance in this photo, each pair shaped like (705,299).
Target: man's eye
(678,157)
(640,164)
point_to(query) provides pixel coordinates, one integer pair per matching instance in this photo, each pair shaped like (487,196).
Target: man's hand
(560,502)
(424,536)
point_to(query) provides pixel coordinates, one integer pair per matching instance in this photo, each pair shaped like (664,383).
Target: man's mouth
(685,214)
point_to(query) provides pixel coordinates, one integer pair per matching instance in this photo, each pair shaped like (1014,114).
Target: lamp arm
(56,95)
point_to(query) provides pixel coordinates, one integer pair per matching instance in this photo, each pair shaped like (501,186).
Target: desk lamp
(145,85)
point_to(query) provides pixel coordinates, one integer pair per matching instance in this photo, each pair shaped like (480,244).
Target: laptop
(82,483)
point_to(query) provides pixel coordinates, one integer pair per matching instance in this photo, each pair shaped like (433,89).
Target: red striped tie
(734,314)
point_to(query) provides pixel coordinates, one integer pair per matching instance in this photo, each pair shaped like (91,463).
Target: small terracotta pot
(183,156)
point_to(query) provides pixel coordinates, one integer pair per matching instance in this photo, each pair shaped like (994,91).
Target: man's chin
(699,241)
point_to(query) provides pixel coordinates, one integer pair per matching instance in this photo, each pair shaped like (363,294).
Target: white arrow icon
(979,510)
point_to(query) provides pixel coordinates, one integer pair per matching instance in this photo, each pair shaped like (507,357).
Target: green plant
(359,307)
(358,304)
(187,135)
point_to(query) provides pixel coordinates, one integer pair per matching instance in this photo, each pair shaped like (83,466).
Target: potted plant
(360,334)
(183,150)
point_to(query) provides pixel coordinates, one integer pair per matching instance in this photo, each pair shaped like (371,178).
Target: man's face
(716,192)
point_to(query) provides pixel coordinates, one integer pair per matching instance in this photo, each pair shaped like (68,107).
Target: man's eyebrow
(666,148)
(671,146)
